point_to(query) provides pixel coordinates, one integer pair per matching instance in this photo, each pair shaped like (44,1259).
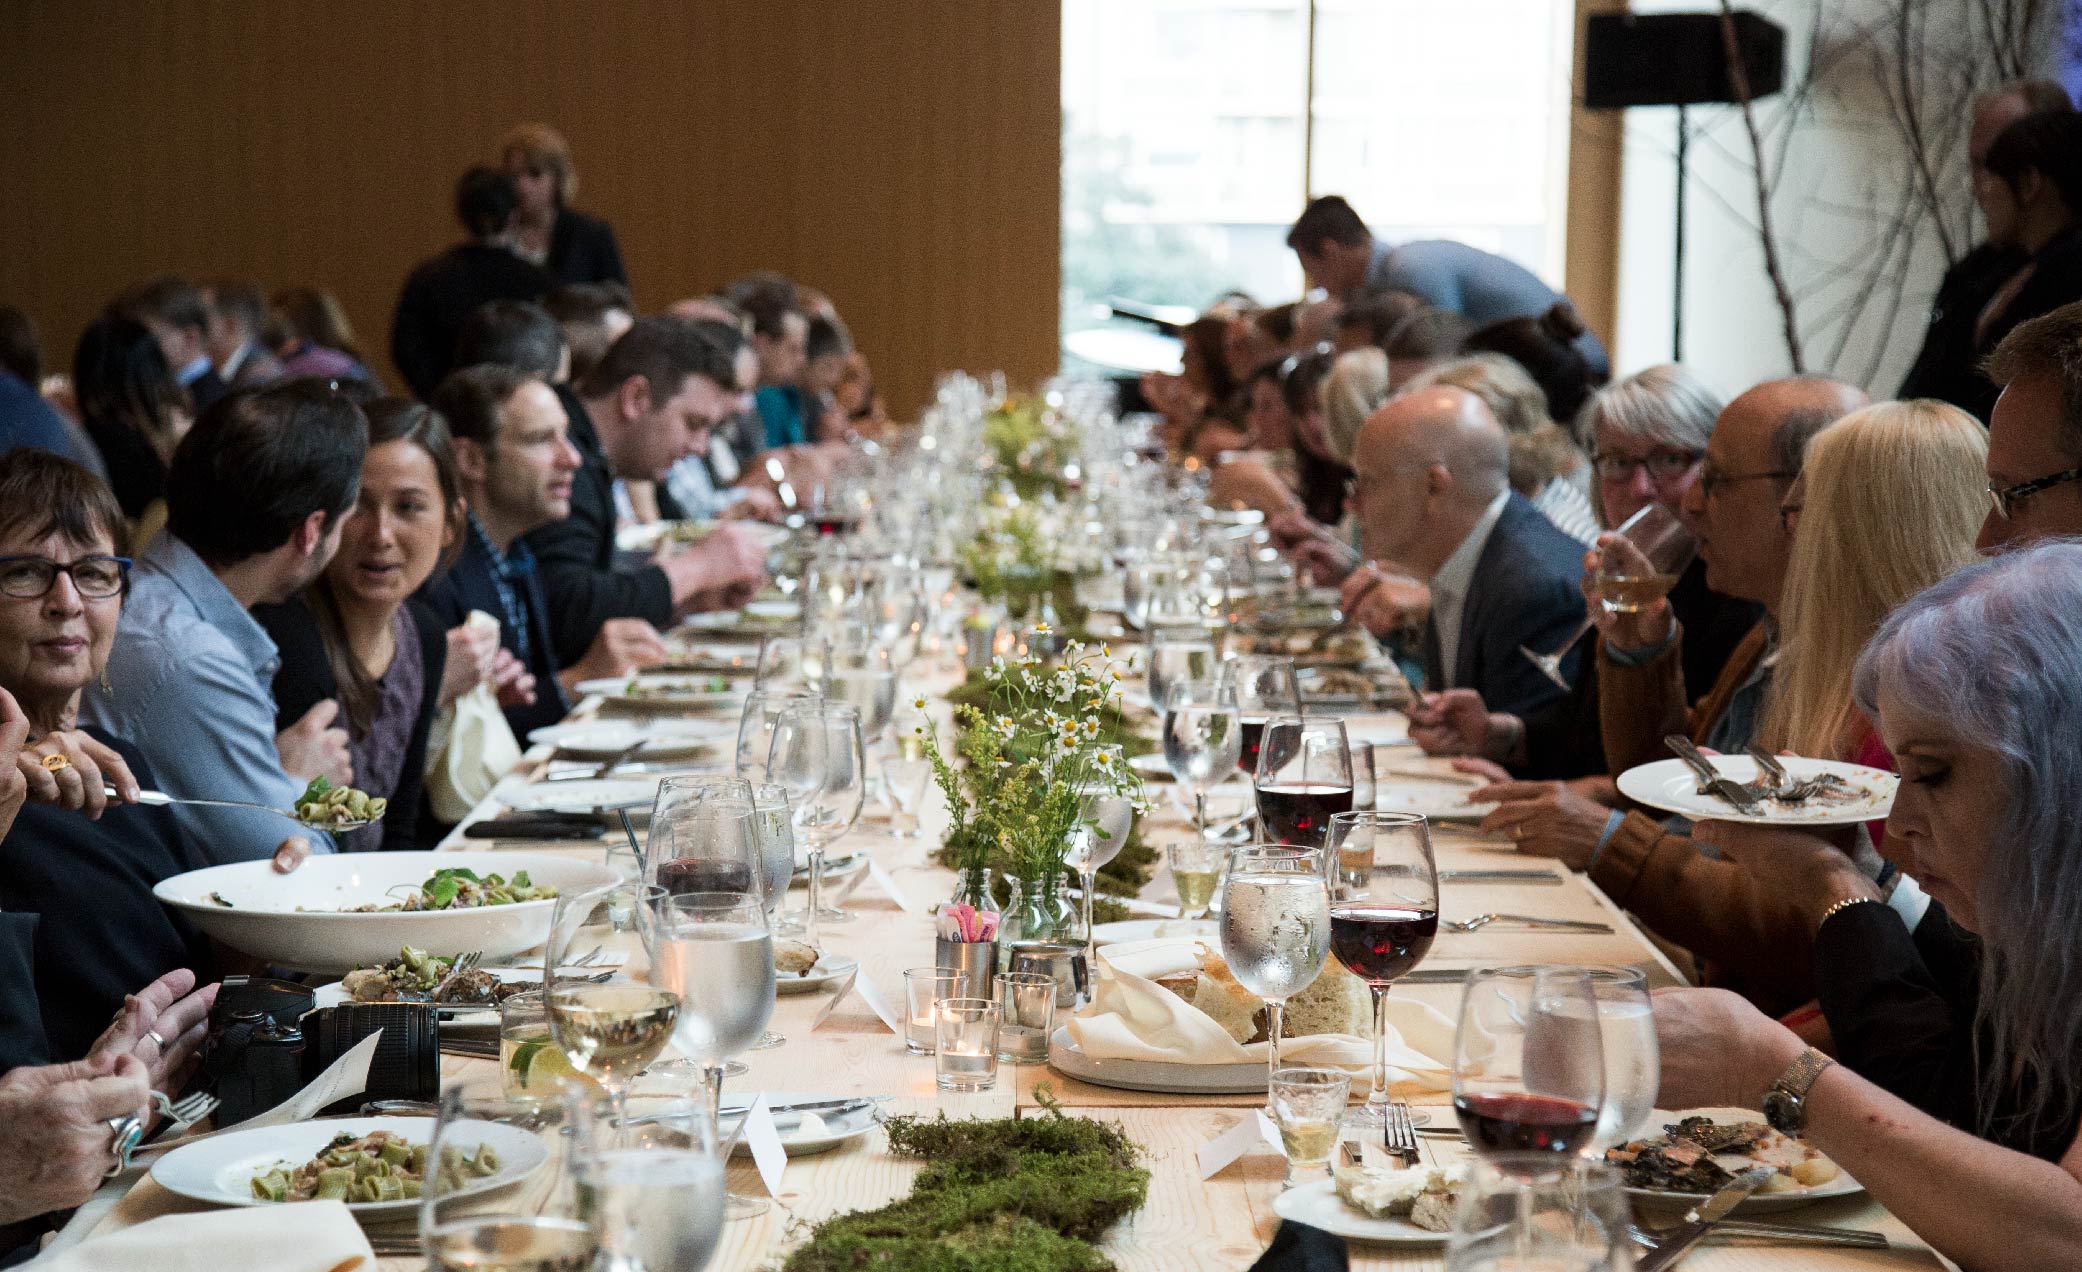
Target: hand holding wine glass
(1630,572)
(1384,917)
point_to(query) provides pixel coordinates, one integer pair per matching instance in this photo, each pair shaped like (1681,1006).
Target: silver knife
(852,1105)
(1708,1213)
(1499,876)
(1711,778)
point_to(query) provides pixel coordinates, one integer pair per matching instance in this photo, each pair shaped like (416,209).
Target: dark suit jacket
(575,556)
(1525,592)
(467,586)
(439,296)
(2056,280)
(305,678)
(1948,366)
(582,250)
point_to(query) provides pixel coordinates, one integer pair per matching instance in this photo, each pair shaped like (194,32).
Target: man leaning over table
(256,495)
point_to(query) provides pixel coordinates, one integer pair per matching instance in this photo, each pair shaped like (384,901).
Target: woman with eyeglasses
(80,860)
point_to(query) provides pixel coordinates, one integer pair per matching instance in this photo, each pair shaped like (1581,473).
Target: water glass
(1026,1016)
(1633,1065)
(1532,1211)
(965,1044)
(1365,788)
(1178,655)
(755,728)
(924,986)
(1308,1106)
(1275,928)
(652,1187)
(537,1226)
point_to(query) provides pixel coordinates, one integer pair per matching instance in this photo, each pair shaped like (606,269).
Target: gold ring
(56,763)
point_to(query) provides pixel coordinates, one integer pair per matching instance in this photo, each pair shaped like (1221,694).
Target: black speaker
(1676,59)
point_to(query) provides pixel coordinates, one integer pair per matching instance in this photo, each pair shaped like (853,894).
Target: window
(1191,137)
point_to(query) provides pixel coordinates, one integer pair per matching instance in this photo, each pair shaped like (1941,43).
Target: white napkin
(1131,1017)
(305,1236)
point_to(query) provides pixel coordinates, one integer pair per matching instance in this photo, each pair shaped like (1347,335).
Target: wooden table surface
(1187,1223)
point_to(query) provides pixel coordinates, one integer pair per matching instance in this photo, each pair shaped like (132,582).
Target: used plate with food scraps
(1769,1149)
(1674,788)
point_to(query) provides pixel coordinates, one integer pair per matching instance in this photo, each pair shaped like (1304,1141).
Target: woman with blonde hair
(547,230)
(1355,388)
(1547,467)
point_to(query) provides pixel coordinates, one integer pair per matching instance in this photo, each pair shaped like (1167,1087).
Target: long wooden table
(1187,1223)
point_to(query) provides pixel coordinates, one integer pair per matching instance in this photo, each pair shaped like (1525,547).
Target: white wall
(1842,172)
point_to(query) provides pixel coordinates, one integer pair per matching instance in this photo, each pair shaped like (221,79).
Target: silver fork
(179,1114)
(1481,921)
(1768,765)
(1399,1133)
(463,966)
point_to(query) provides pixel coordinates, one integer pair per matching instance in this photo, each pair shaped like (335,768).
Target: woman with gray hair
(1958,1046)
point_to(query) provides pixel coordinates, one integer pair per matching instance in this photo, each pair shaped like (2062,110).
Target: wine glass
(755,728)
(465,1227)
(1304,779)
(907,773)
(703,837)
(1633,1064)
(817,759)
(1202,738)
(793,663)
(608,1032)
(860,673)
(1384,917)
(652,1187)
(715,951)
(776,831)
(1275,928)
(1528,1064)
(1105,815)
(1524,1211)
(1178,655)
(1661,539)
(1265,687)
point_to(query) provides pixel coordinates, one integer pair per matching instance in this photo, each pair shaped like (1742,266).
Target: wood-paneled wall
(902,155)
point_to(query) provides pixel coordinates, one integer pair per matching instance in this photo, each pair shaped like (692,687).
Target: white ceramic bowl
(296,920)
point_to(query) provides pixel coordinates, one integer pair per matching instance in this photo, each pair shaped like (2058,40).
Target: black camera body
(266,1041)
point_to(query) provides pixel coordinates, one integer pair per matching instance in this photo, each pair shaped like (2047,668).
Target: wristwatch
(1785,1104)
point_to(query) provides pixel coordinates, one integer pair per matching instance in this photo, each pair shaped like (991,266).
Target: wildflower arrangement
(1010,558)
(1031,443)
(1042,731)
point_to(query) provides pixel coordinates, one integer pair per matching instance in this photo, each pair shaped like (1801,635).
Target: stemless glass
(1196,870)
(608,1032)
(1265,687)
(1105,815)
(1308,1107)
(755,727)
(1304,779)
(1384,919)
(652,1187)
(1633,1063)
(817,759)
(1275,929)
(535,1224)
(715,951)
(1178,656)
(1202,739)
(1521,1211)
(1528,1065)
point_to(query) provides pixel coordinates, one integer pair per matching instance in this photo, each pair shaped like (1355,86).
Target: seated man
(238,312)
(174,311)
(1433,495)
(515,466)
(255,499)
(652,401)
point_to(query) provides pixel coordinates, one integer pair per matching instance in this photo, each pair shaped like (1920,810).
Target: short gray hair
(1668,405)
(2017,695)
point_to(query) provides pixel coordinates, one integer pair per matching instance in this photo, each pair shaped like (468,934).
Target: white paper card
(838,996)
(1224,1150)
(866,986)
(764,1141)
(345,1077)
(888,885)
(1270,1132)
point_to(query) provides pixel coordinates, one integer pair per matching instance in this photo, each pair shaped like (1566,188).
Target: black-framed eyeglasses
(1712,479)
(1662,465)
(2007,498)
(30,578)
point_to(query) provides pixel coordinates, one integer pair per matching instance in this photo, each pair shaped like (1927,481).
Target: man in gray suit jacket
(1433,496)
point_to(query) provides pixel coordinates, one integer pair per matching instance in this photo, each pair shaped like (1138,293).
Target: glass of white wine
(1308,1106)
(1665,550)
(532,1226)
(608,1032)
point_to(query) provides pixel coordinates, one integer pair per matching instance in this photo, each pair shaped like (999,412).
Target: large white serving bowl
(297,920)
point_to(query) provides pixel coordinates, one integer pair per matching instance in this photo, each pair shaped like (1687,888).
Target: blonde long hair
(1355,388)
(1895,494)
(1541,450)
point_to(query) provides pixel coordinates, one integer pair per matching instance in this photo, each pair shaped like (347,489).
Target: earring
(104,679)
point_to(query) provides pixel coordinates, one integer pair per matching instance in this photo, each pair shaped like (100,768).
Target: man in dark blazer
(442,292)
(1433,496)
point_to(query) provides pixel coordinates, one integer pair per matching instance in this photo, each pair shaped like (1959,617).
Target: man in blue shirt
(255,497)
(1340,254)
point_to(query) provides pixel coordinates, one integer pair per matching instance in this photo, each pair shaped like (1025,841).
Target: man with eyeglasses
(2035,432)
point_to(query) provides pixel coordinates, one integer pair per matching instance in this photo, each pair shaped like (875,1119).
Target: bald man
(1433,495)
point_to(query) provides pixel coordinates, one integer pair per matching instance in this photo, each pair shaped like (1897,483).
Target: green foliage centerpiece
(1032,444)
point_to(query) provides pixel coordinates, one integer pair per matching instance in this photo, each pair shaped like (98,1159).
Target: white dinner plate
(663,691)
(829,969)
(1437,801)
(580,795)
(1319,1206)
(1066,1058)
(1670,786)
(838,1128)
(1152,929)
(661,739)
(335,995)
(302,920)
(220,1169)
(1757,1202)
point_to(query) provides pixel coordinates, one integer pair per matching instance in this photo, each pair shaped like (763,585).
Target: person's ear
(634,398)
(1437,481)
(310,533)
(471,461)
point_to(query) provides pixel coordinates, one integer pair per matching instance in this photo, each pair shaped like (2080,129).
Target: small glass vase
(966,939)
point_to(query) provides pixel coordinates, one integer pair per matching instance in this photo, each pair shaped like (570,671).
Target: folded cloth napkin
(1131,1017)
(1296,1247)
(305,1236)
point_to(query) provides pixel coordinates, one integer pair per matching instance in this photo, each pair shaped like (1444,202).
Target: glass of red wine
(1304,778)
(1528,1062)
(704,837)
(1265,687)
(1384,914)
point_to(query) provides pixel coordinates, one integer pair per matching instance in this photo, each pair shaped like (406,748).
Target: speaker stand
(1677,265)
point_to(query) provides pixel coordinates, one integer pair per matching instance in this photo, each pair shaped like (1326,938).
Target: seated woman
(132,407)
(1893,497)
(356,637)
(1984,1042)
